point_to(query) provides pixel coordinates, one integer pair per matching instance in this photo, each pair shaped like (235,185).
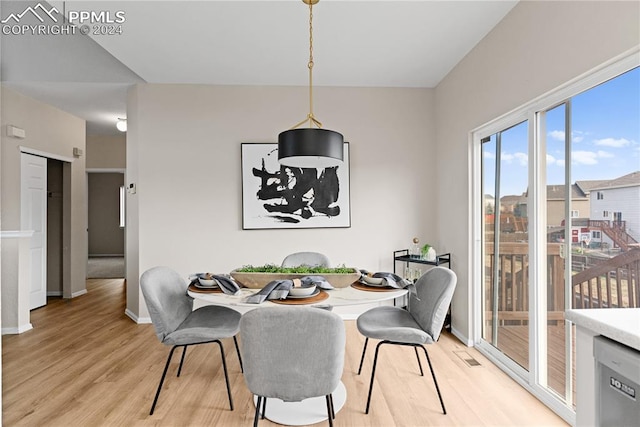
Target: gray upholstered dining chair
(419,324)
(292,353)
(178,325)
(311,259)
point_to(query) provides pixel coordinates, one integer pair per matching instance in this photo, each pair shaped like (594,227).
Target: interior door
(33,216)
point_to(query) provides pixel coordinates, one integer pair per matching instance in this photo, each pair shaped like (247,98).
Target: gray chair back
(434,292)
(165,293)
(292,353)
(311,259)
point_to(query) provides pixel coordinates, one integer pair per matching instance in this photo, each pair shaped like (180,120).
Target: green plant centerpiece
(257,277)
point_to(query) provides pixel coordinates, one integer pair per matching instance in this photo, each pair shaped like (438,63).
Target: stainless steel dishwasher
(617,383)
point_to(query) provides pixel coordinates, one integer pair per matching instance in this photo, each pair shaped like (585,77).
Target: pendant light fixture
(121,124)
(311,147)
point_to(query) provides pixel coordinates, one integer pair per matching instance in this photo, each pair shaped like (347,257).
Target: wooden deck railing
(513,298)
(611,283)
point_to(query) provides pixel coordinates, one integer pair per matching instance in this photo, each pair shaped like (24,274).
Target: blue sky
(605,138)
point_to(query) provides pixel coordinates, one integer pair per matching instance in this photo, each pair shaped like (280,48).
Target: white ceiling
(356,43)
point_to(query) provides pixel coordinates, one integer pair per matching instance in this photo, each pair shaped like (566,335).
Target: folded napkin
(226,283)
(279,289)
(319,281)
(391,280)
(276,289)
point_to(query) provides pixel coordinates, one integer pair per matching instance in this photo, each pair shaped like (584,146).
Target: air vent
(467,358)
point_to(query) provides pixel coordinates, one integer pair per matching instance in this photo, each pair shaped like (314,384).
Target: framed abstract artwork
(276,196)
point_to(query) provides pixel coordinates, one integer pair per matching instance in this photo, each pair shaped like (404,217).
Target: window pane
(506,244)
(605,164)
(558,194)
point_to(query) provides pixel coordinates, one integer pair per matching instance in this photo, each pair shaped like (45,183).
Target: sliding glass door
(558,220)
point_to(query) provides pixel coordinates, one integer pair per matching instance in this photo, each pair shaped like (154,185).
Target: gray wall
(106,151)
(183,152)
(105,235)
(55,132)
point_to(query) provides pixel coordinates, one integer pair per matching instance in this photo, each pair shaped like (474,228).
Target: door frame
(123,171)
(66,212)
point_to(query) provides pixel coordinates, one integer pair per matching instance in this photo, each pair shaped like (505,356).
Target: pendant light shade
(311,147)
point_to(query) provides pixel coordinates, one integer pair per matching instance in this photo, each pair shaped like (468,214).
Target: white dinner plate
(198,285)
(374,281)
(316,292)
(380,285)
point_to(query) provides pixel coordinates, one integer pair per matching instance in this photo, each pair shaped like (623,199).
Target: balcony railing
(610,283)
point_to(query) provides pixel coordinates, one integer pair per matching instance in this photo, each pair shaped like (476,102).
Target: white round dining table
(337,297)
(308,411)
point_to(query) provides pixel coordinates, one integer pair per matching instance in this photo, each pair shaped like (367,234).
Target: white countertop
(619,324)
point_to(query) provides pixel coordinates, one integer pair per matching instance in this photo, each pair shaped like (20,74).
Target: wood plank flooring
(514,341)
(86,364)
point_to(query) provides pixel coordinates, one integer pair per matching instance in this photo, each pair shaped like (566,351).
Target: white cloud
(584,157)
(589,157)
(523,158)
(489,155)
(553,161)
(612,142)
(508,158)
(577,135)
(557,135)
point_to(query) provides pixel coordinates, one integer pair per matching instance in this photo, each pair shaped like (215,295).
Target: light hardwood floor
(86,364)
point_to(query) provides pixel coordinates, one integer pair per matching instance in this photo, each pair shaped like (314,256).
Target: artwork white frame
(324,198)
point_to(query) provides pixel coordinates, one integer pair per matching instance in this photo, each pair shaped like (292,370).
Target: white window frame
(532,380)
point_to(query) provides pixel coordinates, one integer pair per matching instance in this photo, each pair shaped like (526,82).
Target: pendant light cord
(310,117)
(310,64)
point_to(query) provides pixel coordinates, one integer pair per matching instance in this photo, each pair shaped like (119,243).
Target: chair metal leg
(329,411)
(226,376)
(333,408)
(164,374)
(433,374)
(418,358)
(415,346)
(235,341)
(264,407)
(373,374)
(184,353)
(255,418)
(364,350)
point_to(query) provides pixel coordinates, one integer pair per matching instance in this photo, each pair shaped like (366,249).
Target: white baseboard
(466,341)
(77,294)
(139,320)
(18,330)
(54,293)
